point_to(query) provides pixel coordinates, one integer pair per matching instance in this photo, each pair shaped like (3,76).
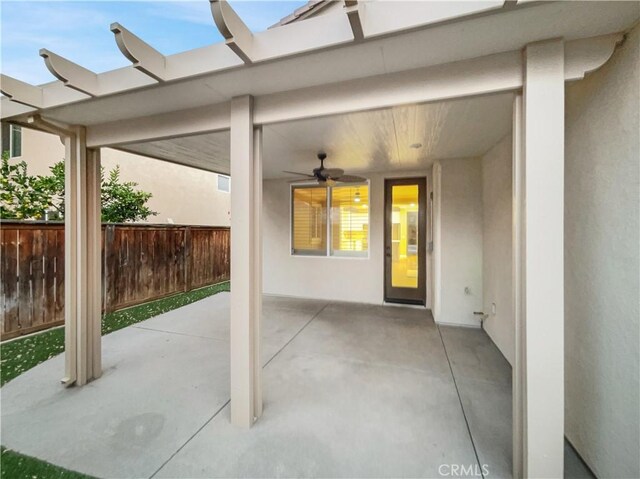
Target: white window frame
(218,183)
(11,129)
(329,252)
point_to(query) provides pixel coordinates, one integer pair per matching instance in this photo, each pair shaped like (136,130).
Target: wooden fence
(140,263)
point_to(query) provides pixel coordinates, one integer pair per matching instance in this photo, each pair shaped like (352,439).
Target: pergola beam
(286,44)
(55,128)
(21,92)
(71,74)
(194,121)
(142,55)
(491,74)
(352,10)
(384,18)
(236,34)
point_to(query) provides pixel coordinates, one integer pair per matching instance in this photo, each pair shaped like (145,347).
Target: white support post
(257,270)
(246,264)
(518,371)
(539,194)
(82,261)
(437,245)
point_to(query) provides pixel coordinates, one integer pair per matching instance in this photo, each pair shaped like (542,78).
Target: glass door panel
(405,240)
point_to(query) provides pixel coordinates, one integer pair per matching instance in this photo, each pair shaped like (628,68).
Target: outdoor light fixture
(357,198)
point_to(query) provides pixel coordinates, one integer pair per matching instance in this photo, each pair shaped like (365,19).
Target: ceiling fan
(328,176)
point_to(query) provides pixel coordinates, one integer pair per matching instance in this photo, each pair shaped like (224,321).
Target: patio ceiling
(378,140)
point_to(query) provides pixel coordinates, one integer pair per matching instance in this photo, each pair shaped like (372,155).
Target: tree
(121,202)
(28,197)
(21,196)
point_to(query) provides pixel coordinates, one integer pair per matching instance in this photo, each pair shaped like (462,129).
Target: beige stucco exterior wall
(181,194)
(461,241)
(497,246)
(602,265)
(333,278)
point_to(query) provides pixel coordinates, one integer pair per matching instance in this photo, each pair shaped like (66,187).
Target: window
(350,220)
(309,221)
(342,232)
(224,183)
(15,141)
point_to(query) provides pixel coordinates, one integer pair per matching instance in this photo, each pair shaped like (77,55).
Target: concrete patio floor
(350,390)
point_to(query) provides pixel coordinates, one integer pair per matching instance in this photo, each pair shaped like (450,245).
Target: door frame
(396,295)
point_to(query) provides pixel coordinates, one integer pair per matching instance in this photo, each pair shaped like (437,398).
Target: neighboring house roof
(311,8)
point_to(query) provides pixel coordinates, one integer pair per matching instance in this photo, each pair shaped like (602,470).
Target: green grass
(18,466)
(22,354)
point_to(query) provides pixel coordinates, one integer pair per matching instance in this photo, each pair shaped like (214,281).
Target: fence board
(25,238)
(59,267)
(37,307)
(139,263)
(9,281)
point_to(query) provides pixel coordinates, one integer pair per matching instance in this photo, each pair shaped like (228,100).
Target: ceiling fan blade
(304,181)
(332,173)
(350,179)
(301,174)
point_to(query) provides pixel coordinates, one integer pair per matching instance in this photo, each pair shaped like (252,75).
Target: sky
(79,30)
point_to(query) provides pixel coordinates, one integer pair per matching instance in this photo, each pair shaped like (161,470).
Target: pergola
(372,55)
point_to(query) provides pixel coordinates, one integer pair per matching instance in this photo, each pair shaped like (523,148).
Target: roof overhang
(315,70)
(310,53)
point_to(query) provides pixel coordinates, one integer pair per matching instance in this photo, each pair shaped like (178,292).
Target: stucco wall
(602,265)
(461,240)
(497,250)
(332,278)
(181,194)
(362,279)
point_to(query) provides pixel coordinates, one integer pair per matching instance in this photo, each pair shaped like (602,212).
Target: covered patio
(381,390)
(349,391)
